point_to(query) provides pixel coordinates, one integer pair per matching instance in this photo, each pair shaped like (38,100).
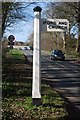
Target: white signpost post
(50,25)
(36,86)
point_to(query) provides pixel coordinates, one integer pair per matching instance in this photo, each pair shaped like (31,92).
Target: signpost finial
(37,9)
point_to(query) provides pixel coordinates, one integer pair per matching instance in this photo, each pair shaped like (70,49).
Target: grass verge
(15,54)
(17,90)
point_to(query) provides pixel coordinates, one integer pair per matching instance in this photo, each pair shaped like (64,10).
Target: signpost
(36,86)
(50,25)
(54,25)
(11,38)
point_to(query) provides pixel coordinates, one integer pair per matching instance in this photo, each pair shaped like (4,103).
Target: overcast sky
(22,30)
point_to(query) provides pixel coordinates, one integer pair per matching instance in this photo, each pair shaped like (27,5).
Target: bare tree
(13,12)
(78,20)
(66,10)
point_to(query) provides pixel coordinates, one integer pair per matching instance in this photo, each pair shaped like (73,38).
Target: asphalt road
(64,76)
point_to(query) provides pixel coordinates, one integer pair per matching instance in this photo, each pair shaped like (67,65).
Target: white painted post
(36,86)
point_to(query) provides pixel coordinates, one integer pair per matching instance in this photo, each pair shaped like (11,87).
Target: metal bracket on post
(36,86)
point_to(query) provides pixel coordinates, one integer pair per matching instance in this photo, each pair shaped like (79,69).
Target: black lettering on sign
(44,22)
(51,22)
(48,22)
(63,23)
(49,27)
(53,26)
(57,27)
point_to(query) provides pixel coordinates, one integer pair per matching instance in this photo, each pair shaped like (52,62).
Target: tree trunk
(78,20)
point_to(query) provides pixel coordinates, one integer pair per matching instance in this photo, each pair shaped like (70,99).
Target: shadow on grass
(16,95)
(17,78)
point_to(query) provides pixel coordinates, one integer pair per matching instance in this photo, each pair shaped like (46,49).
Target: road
(64,76)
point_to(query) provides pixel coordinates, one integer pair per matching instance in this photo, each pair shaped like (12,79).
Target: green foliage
(15,54)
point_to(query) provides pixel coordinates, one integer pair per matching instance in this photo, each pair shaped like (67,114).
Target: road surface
(64,76)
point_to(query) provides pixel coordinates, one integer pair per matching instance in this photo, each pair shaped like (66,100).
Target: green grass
(17,93)
(15,54)
(19,105)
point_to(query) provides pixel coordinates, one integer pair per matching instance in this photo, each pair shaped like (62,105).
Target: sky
(22,30)
(74,30)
